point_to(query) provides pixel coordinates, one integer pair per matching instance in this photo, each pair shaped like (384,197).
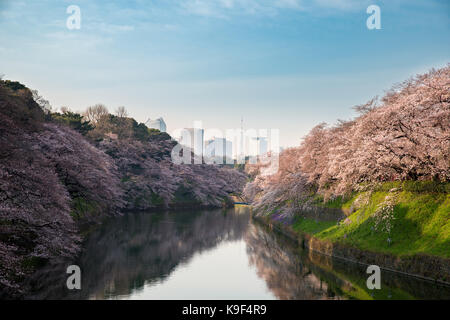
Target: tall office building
(262,146)
(192,138)
(219,149)
(157,124)
(259,146)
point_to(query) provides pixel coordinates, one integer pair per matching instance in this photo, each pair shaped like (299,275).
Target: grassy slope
(421,224)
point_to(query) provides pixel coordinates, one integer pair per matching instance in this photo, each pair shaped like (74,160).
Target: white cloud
(227,8)
(289,4)
(203,8)
(227,3)
(341,4)
(110,28)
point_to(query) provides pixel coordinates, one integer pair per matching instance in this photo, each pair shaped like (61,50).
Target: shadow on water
(126,254)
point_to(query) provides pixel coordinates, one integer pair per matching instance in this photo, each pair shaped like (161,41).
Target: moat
(213,254)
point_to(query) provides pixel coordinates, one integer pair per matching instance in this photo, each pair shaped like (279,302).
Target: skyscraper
(157,124)
(258,146)
(220,149)
(193,138)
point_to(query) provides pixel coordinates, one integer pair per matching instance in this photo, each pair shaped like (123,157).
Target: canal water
(212,254)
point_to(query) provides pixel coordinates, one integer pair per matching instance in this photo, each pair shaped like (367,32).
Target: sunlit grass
(421,225)
(312,226)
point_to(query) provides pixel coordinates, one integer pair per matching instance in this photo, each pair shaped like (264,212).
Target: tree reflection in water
(127,254)
(292,272)
(278,262)
(137,249)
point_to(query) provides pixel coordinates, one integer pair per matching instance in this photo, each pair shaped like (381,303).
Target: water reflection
(282,268)
(143,248)
(292,272)
(211,254)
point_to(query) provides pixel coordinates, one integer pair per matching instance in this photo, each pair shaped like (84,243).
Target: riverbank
(412,236)
(381,177)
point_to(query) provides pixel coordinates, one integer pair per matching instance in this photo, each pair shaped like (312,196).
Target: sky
(278,64)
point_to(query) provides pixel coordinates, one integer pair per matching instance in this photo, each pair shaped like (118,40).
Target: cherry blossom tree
(55,181)
(405,135)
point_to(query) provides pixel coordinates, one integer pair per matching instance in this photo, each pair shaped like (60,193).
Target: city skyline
(236,144)
(284,64)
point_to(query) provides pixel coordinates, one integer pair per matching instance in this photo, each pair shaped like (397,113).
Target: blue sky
(286,64)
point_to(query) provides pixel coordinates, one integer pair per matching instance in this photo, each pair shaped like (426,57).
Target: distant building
(259,146)
(157,124)
(192,138)
(262,146)
(219,149)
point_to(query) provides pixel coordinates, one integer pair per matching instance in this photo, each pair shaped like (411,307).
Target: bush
(72,120)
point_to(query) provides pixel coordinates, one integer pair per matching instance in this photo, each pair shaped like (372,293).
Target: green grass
(421,222)
(339,202)
(416,186)
(311,226)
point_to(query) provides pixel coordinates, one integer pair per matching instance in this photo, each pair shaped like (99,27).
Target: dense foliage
(35,220)
(150,179)
(72,120)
